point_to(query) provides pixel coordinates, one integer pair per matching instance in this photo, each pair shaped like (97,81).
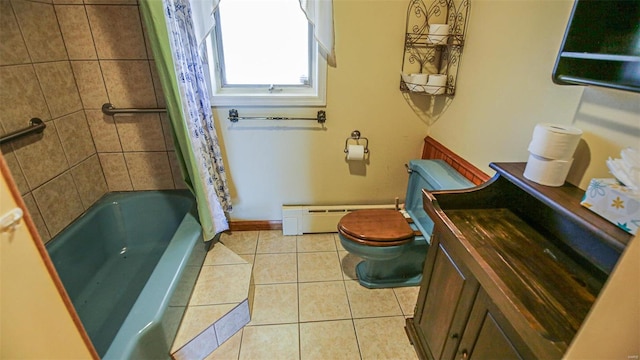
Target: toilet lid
(376,227)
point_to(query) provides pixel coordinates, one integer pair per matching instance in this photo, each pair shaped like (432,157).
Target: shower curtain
(171,33)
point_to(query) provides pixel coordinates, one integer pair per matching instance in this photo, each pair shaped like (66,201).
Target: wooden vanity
(512,270)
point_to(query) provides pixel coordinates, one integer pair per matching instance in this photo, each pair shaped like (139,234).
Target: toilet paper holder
(355,135)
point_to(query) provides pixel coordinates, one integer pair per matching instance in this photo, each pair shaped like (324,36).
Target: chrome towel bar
(35,126)
(321,118)
(109,109)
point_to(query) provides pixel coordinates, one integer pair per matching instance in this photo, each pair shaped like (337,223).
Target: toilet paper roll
(355,152)
(436,85)
(557,142)
(546,171)
(438,34)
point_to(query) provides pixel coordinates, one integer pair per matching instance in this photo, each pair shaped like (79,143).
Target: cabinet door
(449,296)
(484,337)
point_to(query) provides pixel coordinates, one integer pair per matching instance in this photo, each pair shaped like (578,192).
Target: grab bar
(321,118)
(109,109)
(35,126)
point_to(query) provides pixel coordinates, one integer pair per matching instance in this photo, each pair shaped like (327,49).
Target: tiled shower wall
(60,61)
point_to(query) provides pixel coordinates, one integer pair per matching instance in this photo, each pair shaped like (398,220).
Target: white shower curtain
(175,49)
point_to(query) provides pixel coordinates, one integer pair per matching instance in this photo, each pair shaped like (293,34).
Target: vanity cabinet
(512,271)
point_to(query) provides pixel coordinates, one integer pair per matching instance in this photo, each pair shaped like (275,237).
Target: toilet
(393,244)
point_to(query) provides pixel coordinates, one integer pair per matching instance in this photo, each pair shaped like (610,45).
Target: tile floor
(309,305)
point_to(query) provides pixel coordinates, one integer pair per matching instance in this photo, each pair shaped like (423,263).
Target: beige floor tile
(241,242)
(275,304)
(316,242)
(275,268)
(229,350)
(319,266)
(319,301)
(248,258)
(196,319)
(221,285)
(328,340)
(339,246)
(219,254)
(272,241)
(270,342)
(348,264)
(407,297)
(396,344)
(371,302)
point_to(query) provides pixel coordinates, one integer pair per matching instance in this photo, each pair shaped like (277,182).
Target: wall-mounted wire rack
(423,56)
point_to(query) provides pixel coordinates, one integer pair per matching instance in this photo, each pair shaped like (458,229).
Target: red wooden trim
(434,150)
(255,225)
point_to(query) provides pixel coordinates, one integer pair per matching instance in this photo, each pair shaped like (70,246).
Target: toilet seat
(376,227)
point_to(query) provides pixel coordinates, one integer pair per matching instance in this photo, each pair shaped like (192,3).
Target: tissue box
(614,202)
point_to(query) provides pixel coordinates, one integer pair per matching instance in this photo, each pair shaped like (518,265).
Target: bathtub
(121,263)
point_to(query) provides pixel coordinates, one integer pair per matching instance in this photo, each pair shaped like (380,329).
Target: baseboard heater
(300,219)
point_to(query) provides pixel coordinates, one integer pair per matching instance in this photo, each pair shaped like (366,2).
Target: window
(264,53)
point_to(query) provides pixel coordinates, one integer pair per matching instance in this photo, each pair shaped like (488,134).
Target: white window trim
(311,96)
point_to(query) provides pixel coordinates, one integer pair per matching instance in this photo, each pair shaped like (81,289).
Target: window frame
(313,94)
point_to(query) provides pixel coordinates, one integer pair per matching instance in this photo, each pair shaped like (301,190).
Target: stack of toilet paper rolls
(551,153)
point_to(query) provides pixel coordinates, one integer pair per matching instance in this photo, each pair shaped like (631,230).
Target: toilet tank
(430,175)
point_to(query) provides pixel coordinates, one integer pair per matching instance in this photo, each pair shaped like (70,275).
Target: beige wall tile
(41,156)
(75,137)
(59,87)
(89,181)
(70,2)
(20,97)
(178,181)
(115,172)
(129,83)
(90,84)
(14,167)
(157,85)
(111,2)
(149,170)
(36,216)
(40,30)
(59,202)
(104,132)
(12,47)
(140,132)
(76,32)
(230,349)
(167,131)
(117,32)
